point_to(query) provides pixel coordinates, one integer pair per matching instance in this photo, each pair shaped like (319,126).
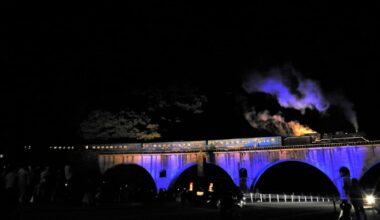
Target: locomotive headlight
(370,199)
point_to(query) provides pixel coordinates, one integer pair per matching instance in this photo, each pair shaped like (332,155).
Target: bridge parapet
(196,146)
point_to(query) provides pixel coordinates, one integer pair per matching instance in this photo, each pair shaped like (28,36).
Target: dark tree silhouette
(156,111)
(124,124)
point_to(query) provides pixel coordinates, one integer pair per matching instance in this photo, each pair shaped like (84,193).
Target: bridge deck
(119,148)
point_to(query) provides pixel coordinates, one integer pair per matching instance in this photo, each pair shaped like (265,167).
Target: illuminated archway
(214,174)
(178,174)
(292,176)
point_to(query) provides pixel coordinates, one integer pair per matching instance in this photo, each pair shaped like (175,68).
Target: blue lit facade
(256,155)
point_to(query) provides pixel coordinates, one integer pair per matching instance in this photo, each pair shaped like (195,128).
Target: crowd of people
(40,184)
(28,184)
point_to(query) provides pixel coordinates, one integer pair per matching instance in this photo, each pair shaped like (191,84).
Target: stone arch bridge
(255,155)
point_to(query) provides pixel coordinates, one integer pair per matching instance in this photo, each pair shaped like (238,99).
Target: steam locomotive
(326,138)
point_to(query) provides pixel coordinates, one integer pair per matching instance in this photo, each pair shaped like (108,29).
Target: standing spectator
(31,183)
(35,184)
(10,192)
(89,193)
(23,180)
(356,198)
(228,209)
(10,180)
(68,173)
(45,185)
(345,205)
(58,195)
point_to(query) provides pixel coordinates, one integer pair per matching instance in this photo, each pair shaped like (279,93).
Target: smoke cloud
(348,109)
(300,94)
(307,95)
(276,123)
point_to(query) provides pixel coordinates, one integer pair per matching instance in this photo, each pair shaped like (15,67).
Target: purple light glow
(293,91)
(358,159)
(310,95)
(328,161)
(174,178)
(174,164)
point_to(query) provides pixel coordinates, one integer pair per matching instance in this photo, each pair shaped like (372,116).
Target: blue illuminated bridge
(166,161)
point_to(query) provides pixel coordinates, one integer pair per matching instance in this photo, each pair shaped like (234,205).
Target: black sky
(62,61)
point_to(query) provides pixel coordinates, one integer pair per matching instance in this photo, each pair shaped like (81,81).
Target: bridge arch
(368,168)
(131,179)
(212,173)
(179,172)
(370,177)
(293,164)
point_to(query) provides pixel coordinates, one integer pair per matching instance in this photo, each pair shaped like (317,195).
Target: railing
(273,198)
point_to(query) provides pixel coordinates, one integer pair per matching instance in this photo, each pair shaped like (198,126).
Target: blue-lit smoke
(306,94)
(309,95)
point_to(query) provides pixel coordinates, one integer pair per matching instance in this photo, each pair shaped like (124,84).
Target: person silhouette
(345,213)
(345,206)
(228,208)
(356,199)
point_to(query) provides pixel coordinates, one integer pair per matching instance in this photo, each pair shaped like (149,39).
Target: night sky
(64,61)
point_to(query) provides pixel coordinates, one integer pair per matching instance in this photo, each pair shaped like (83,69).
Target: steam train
(249,143)
(327,138)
